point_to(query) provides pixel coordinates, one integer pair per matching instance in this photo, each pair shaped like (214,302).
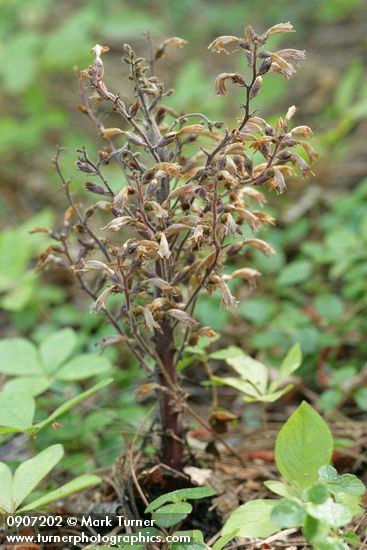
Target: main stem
(171,447)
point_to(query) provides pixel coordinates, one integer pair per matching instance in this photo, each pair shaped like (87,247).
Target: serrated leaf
(18,356)
(171,514)
(302,446)
(78,484)
(30,473)
(252,519)
(83,366)
(57,348)
(192,493)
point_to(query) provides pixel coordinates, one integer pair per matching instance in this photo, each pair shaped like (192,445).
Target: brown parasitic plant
(189,200)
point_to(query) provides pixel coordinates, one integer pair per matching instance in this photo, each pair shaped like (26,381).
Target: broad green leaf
(251,370)
(238,384)
(18,356)
(360,397)
(288,513)
(352,502)
(332,513)
(330,398)
(270,397)
(30,473)
(57,348)
(222,541)
(197,541)
(350,537)
(72,403)
(171,514)
(16,410)
(6,484)
(227,353)
(317,494)
(192,493)
(315,530)
(330,307)
(291,362)
(330,543)
(252,519)
(302,446)
(78,484)
(346,483)
(83,366)
(296,272)
(33,385)
(280,488)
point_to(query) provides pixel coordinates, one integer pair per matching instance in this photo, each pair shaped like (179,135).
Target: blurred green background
(313,291)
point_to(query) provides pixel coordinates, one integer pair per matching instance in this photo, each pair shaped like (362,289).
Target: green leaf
(57,348)
(258,310)
(288,513)
(332,513)
(30,473)
(33,385)
(270,397)
(222,541)
(330,307)
(250,370)
(252,519)
(238,384)
(330,399)
(83,366)
(346,483)
(171,514)
(78,484)
(19,356)
(72,403)
(315,530)
(197,541)
(360,397)
(351,538)
(317,494)
(280,488)
(291,362)
(226,353)
(302,446)
(192,493)
(296,272)
(6,483)
(16,410)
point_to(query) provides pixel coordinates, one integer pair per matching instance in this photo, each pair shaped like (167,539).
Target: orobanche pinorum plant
(188,201)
